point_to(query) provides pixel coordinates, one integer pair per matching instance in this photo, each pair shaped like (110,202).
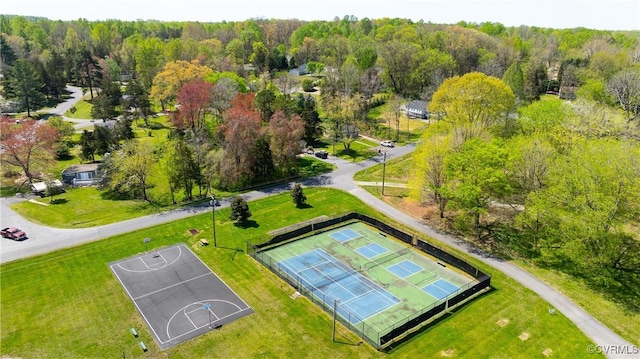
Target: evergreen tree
(298,196)
(25,86)
(239,210)
(515,79)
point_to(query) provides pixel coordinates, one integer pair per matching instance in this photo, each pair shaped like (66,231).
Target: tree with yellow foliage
(473,104)
(167,83)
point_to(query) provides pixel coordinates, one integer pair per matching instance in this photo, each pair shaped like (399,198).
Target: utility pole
(384,167)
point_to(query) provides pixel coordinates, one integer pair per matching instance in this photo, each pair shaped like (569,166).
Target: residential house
(417,109)
(300,70)
(82,174)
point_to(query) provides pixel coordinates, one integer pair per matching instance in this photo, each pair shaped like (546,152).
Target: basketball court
(178,296)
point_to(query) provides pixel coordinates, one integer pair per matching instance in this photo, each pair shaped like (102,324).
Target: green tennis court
(375,283)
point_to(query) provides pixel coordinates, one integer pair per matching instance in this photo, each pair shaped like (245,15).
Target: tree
(105,106)
(398,61)
(169,82)
(536,81)
(239,130)
(429,177)
(182,168)
(514,77)
(580,218)
(195,103)
(87,69)
(263,103)
(625,87)
(25,86)
(306,108)
(240,212)
(298,196)
(66,131)
(87,146)
(344,113)
(148,59)
(29,145)
(474,103)
(285,133)
(528,164)
(137,103)
(475,177)
(53,77)
(130,168)
(52,189)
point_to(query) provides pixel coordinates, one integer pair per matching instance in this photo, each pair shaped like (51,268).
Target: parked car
(322,154)
(13,233)
(387,144)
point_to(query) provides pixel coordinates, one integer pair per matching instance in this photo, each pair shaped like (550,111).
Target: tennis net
(385,259)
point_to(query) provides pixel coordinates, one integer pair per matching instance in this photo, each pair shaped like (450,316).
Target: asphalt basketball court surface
(178,296)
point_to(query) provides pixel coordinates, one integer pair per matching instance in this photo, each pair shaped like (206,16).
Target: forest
(532,146)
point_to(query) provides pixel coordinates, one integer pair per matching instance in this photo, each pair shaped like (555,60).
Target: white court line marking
(374,290)
(137,306)
(240,310)
(188,318)
(335,264)
(148,269)
(171,286)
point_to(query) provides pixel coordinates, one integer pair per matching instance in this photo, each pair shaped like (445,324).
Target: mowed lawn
(80,208)
(68,304)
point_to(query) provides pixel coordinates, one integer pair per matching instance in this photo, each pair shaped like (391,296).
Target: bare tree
(625,86)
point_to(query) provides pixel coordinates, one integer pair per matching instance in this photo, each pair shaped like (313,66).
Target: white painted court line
(171,286)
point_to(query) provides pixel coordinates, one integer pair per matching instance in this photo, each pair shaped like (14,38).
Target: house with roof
(300,70)
(82,174)
(417,109)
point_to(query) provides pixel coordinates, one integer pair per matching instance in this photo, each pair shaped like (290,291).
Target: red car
(13,233)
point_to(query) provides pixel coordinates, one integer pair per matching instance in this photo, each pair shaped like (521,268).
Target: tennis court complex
(378,285)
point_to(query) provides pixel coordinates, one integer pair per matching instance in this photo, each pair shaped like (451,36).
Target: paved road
(44,239)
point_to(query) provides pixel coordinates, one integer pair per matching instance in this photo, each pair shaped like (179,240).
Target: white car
(387,144)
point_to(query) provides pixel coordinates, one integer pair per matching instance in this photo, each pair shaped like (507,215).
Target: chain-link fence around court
(394,323)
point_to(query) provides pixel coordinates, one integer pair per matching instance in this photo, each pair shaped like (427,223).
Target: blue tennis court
(329,279)
(440,289)
(345,235)
(404,268)
(371,250)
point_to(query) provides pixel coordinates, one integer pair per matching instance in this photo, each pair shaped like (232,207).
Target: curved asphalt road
(45,239)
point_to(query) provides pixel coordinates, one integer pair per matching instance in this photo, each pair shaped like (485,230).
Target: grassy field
(614,315)
(82,207)
(82,109)
(68,304)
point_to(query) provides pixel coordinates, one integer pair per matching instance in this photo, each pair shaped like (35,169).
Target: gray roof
(88,167)
(418,105)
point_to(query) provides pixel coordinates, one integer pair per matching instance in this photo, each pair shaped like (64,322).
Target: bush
(307,85)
